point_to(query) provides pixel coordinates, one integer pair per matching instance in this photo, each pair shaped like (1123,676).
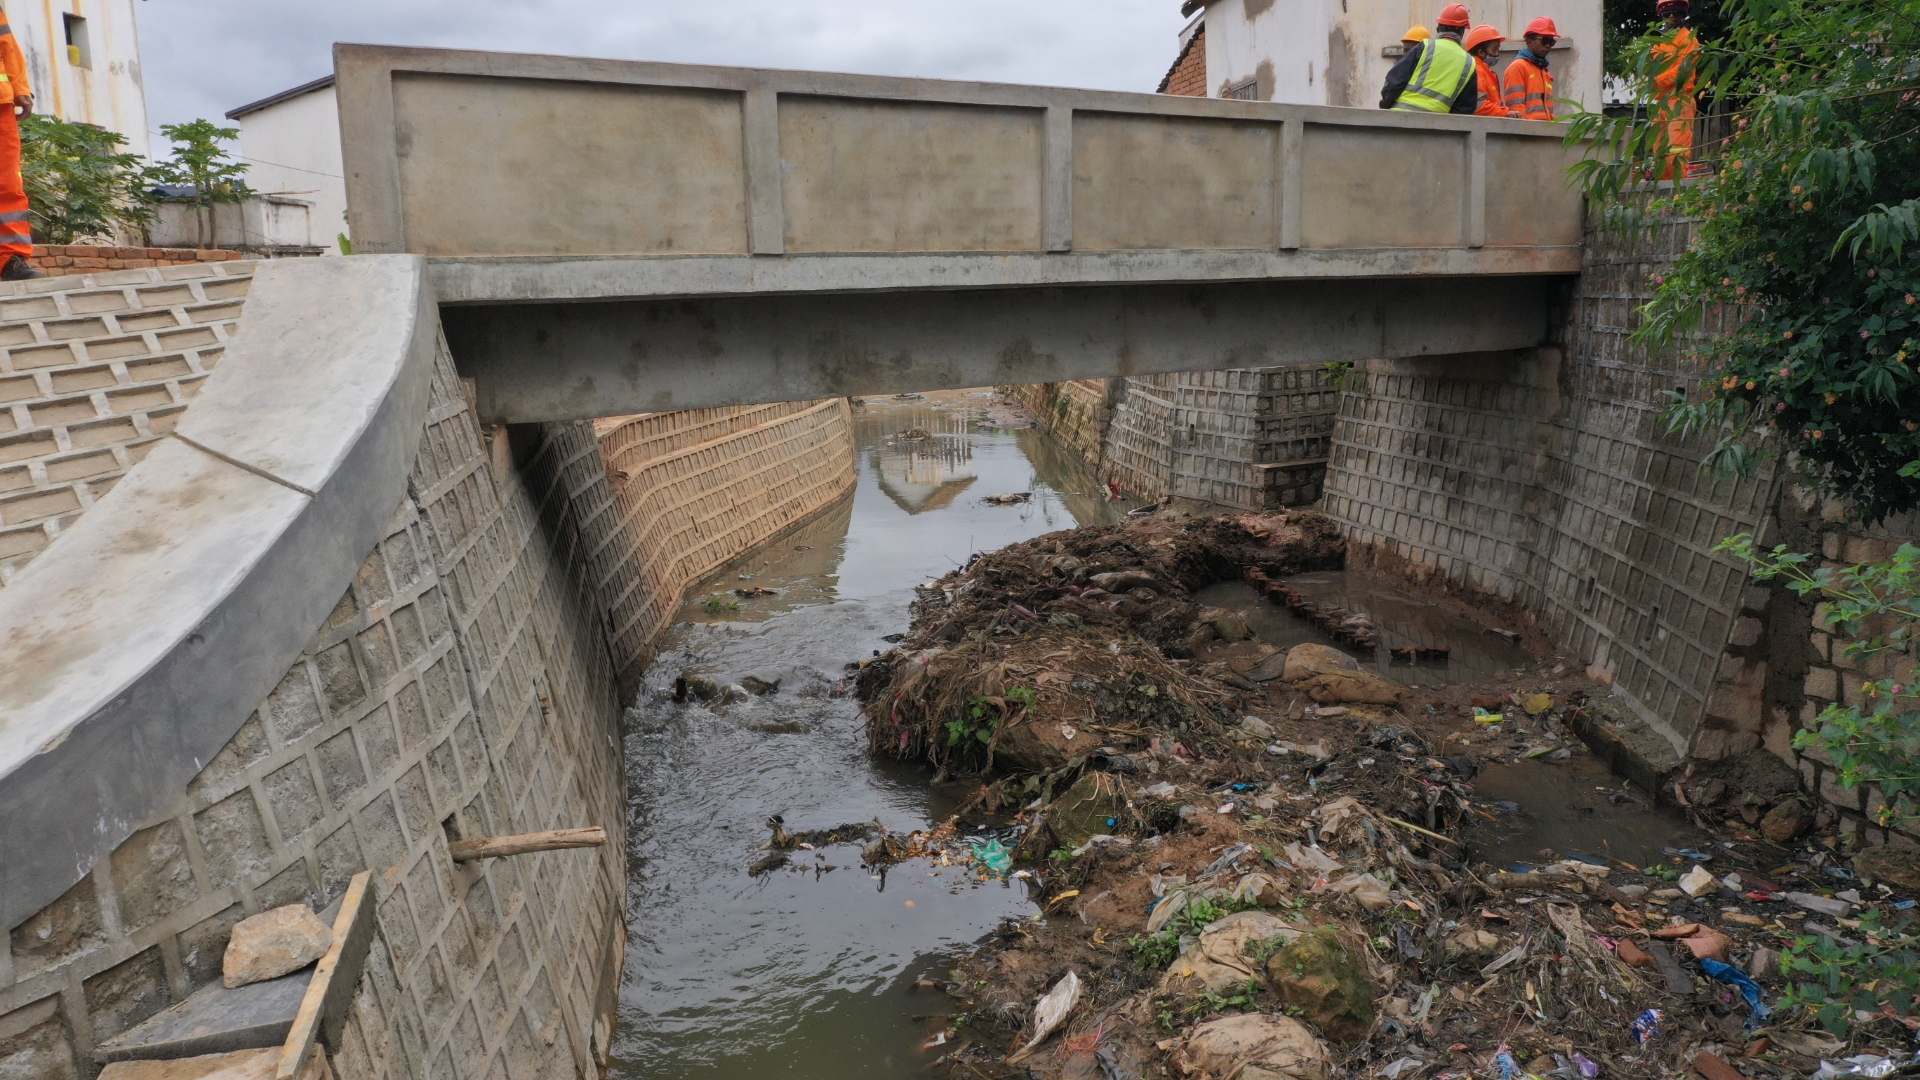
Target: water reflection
(808,972)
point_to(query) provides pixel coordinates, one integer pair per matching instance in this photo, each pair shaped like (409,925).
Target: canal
(809,970)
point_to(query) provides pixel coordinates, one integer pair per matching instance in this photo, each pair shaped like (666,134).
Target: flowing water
(808,971)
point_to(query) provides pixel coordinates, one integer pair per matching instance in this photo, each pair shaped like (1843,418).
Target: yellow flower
(1729,383)
(1808,205)
(1831,398)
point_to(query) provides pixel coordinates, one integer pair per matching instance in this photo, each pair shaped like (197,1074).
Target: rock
(1309,659)
(1228,624)
(1353,688)
(1898,869)
(1321,977)
(1253,725)
(1253,1046)
(1089,808)
(1786,821)
(1698,882)
(759,687)
(272,943)
(1763,963)
(1633,892)
(1473,946)
(696,686)
(1218,962)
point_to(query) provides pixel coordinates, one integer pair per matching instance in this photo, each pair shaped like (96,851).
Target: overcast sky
(204,57)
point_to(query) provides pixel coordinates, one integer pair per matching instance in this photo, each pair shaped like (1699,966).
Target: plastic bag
(991,854)
(1749,989)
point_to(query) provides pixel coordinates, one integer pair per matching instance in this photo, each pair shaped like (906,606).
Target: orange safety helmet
(1544,27)
(1480,35)
(1454,15)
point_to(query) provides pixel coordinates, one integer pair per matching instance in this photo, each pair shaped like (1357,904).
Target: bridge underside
(555,361)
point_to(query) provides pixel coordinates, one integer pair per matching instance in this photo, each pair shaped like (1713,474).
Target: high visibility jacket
(1443,70)
(1529,90)
(13,66)
(1490,102)
(1675,105)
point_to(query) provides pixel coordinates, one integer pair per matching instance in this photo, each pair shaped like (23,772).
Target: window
(78,53)
(1244,90)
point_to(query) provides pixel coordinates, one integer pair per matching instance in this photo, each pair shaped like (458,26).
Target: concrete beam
(541,362)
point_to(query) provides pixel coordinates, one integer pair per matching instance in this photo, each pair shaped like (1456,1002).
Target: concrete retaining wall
(697,489)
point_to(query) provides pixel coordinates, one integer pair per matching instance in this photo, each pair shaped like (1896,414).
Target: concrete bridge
(607,237)
(346,607)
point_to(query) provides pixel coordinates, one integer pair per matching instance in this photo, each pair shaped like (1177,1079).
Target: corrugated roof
(304,88)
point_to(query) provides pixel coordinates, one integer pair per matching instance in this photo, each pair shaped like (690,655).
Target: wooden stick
(1422,832)
(495,846)
(324,1008)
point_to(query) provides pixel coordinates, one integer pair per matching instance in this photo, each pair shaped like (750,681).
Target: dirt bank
(1255,863)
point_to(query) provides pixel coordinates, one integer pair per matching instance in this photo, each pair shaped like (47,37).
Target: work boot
(18,269)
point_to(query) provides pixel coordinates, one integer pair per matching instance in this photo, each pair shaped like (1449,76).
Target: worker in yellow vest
(1437,76)
(16,102)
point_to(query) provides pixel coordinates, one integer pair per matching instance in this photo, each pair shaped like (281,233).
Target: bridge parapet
(546,178)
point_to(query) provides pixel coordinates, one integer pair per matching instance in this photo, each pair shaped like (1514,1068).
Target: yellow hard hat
(1417,33)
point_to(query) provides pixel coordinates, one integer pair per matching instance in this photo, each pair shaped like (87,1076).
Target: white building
(1338,52)
(291,145)
(83,58)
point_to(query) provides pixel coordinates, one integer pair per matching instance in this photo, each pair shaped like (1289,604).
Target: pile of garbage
(1250,863)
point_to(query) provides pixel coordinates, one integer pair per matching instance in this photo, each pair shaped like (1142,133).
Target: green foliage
(1023,696)
(1875,605)
(346,245)
(978,724)
(1202,912)
(200,160)
(1154,952)
(1833,980)
(1060,855)
(1263,949)
(1808,227)
(81,185)
(1244,997)
(720,604)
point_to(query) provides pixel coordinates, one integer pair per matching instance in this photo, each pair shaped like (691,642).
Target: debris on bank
(1253,863)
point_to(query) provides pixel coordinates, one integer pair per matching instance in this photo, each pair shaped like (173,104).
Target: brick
(151,875)
(341,771)
(377,739)
(385,845)
(289,886)
(1823,684)
(67,928)
(294,799)
(203,943)
(234,837)
(1747,631)
(339,858)
(36,1045)
(340,681)
(227,771)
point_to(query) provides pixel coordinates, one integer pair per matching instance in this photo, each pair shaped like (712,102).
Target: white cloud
(204,57)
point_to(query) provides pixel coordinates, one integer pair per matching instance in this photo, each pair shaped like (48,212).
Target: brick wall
(1546,479)
(66,260)
(462,687)
(1188,76)
(93,369)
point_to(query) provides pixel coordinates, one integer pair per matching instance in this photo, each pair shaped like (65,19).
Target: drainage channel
(808,969)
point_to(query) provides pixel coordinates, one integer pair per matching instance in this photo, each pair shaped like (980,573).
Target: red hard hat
(1454,15)
(1544,27)
(1480,35)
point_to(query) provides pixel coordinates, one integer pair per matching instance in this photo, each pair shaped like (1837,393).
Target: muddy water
(807,971)
(1552,811)
(1478,655)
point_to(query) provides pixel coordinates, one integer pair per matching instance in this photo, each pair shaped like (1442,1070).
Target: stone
(1763,963)
(1091,807)
(1309,659)
(1890,866)
(273,943)
(1254,1046)
(1319,975)
(1786,821)
(1472,946)
(1229,625)
(1253,725)
(1698,882)
(759,687)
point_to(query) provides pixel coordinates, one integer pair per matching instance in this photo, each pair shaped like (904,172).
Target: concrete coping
(137,644)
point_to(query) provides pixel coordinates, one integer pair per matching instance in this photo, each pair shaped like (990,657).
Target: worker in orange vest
(16,101)
(1529,87)
(1673,85)
(1483,44)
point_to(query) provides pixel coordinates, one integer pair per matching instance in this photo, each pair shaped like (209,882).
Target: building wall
(1331,53)
(292,151)
(1188,75)
(109,91)
(1545,479)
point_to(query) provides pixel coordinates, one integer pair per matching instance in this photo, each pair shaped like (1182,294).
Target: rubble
(1248,878)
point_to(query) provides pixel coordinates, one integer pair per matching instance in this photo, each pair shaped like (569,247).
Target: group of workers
(1450,70)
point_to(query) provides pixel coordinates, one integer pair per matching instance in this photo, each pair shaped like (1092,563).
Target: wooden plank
(497,846)
(323,1012)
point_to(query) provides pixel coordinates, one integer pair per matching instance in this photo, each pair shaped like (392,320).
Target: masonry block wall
(1074,414)
(696,489)
(1547,480)
(461,688)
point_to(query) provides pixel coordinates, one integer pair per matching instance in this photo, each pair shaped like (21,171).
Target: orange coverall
(1677,102)
(1529,93)
(1490,103)
(16,230)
